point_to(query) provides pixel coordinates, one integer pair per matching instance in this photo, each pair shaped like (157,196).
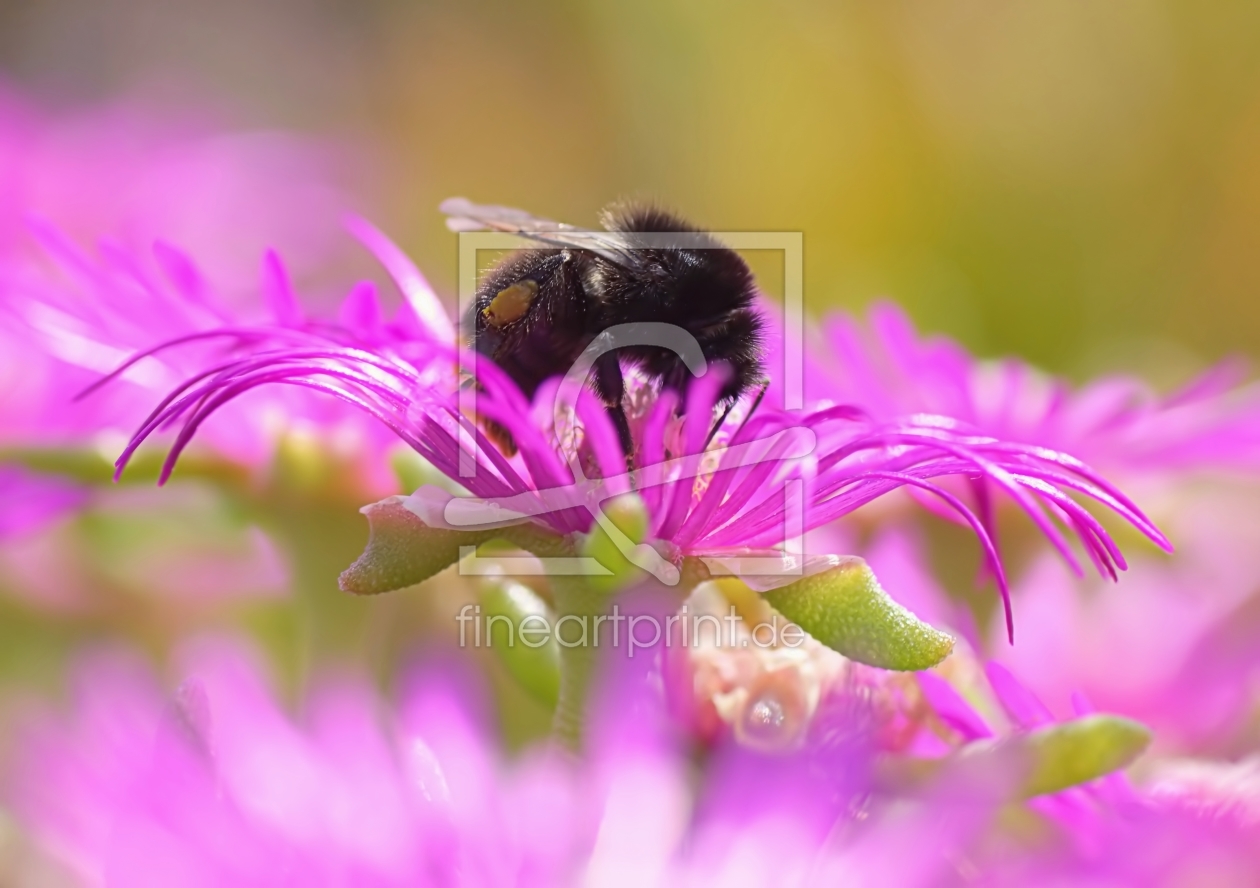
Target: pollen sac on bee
(510,303)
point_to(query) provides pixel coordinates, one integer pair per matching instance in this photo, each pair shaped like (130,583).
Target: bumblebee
(538,309)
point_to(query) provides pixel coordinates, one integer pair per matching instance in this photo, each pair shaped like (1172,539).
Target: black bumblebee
(538,309)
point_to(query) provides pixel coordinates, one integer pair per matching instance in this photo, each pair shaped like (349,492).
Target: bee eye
(510,303)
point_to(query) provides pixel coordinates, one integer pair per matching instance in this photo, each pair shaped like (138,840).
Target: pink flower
(132,180)
(136,172)
(718,500)
(64,333)
(1171,646)
(1115,423)
(219,784)
(66,336)
(90,203)
(205,329)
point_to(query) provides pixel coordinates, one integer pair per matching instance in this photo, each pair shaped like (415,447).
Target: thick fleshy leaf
(846,609)
(1047,760)
(626,517)
(1078,751)
(402,550)
(522,640)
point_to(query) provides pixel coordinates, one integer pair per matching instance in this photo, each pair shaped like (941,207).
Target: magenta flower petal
(952,709)
(652,447)
(420,296)
(886,367)
(361,310)
(278,294)
(1020,703)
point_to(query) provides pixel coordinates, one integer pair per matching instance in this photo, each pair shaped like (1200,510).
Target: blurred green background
(1076,182)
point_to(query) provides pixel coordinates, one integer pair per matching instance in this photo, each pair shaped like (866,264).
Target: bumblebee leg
(618,415)
(761,393)
(721,421)
(718,423)
(611,389)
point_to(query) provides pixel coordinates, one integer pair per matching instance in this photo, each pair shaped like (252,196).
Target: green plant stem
(573,597)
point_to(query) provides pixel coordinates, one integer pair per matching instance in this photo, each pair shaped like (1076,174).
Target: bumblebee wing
(464,215)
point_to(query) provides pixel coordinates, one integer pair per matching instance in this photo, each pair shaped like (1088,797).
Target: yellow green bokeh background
(1075,182)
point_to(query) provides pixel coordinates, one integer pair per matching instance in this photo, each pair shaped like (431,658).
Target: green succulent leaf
(845,608)
(1078,751)
(522,640)
(627,517)
(402,550)
(1024,765)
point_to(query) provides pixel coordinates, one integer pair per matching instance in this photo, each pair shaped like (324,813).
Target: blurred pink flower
(31,501)
(129,178)
(136,172)
(1173,646)
(122,304)
(1114,423)
(133,180)
(220,785)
